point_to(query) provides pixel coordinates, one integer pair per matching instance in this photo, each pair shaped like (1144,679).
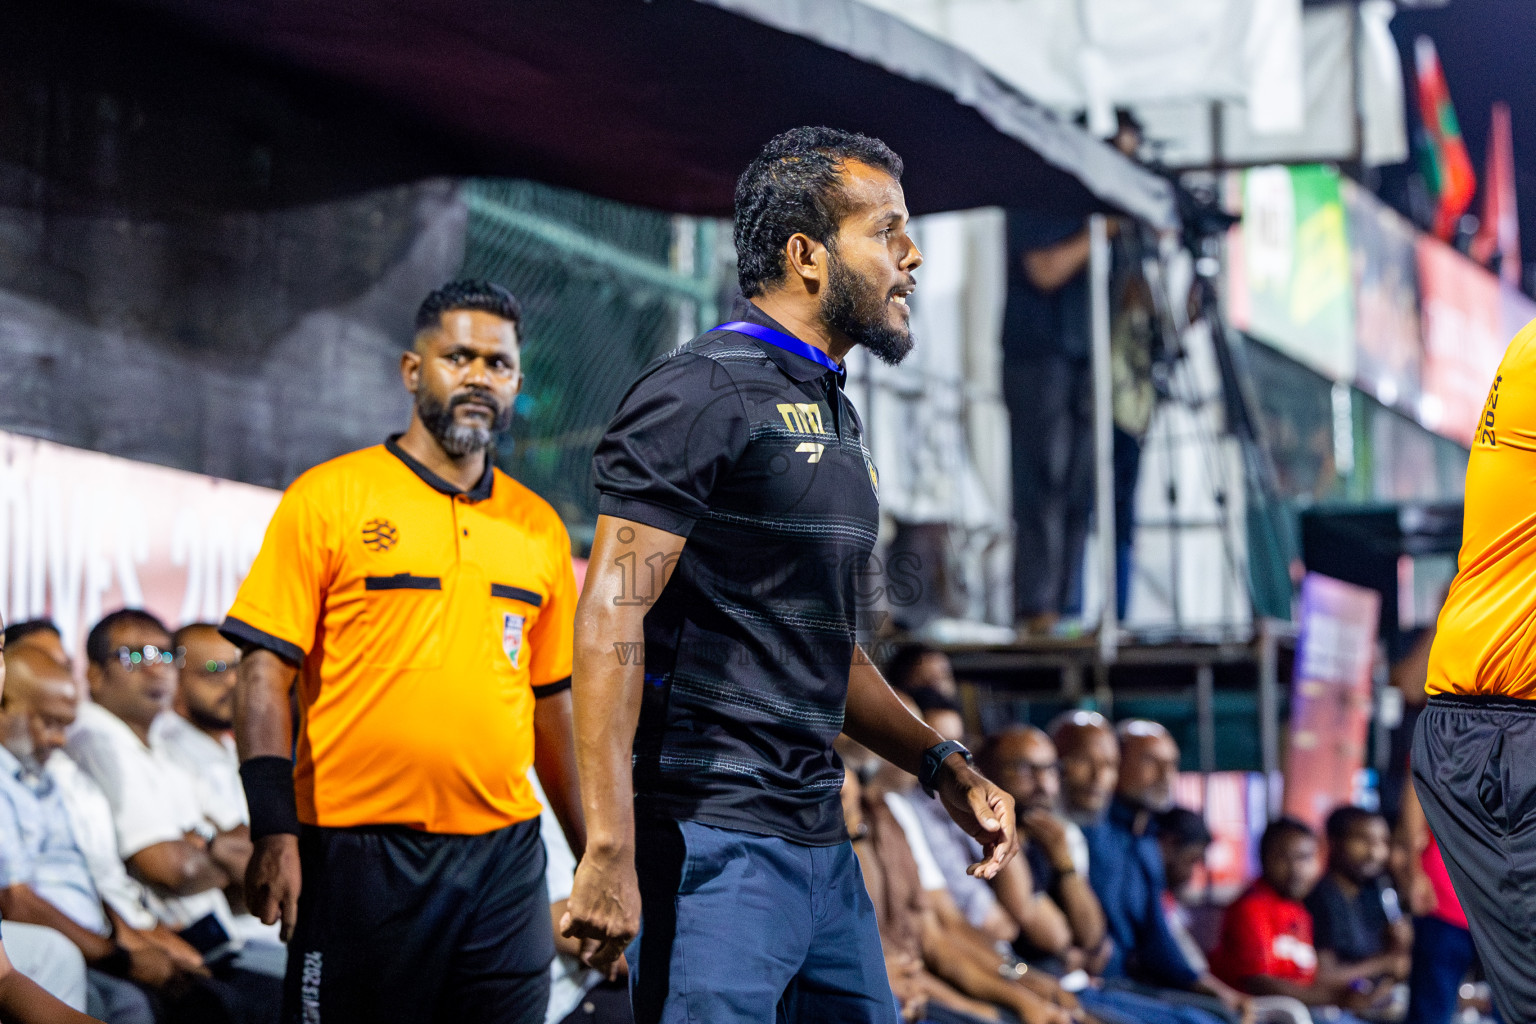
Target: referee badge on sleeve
(512,636)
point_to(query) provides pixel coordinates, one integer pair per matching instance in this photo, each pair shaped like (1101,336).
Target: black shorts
(1474,766)
(415,928)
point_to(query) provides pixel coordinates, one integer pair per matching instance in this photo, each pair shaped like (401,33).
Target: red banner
(1464,339)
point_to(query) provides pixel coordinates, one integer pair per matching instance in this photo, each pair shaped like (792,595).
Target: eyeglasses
(211,667)
(147,656)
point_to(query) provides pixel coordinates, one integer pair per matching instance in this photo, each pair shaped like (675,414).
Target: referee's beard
(460,439)
(862,312)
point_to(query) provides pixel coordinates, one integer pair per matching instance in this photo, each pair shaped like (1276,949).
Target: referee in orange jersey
(423,603)
(1474,752)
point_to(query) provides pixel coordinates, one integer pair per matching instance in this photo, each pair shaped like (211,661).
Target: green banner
(1290,268)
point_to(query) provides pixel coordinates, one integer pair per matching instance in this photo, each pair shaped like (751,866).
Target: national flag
(1449,169)
(1499,233)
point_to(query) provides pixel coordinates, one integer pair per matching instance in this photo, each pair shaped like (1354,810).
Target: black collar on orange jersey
(481,491)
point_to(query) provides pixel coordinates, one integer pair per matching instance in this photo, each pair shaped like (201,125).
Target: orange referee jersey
(1485,642)
(426,621)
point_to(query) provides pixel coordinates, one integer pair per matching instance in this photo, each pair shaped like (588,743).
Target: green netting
(605,287)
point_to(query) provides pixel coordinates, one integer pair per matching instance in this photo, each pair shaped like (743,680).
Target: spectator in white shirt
(168,842)
(199,735)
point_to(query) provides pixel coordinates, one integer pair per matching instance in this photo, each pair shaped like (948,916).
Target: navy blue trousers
(747,929)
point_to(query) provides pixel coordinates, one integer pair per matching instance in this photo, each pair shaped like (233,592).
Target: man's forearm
(21,903)
(606,692)
(554,758)
(22,999)
(877,718)
(1084,913)
(178,866)
(1311,995)
(263,721)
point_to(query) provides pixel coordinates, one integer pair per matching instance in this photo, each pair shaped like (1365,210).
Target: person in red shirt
(1265,946)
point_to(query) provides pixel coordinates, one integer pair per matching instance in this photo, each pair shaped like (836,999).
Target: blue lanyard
(786,342)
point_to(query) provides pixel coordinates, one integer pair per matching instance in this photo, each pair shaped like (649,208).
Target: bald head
(1090,763)
(1022,760)
(39,705)
(1149,764)
(32,674)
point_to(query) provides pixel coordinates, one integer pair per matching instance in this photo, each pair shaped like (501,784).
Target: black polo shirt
(755,454)
(1353,928)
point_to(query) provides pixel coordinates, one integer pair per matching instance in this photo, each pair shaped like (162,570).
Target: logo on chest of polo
(804,418)
(512,636)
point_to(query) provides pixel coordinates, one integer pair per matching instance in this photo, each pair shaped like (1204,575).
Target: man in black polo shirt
(715,654)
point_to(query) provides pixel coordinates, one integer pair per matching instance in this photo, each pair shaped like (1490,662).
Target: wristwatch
(933,763)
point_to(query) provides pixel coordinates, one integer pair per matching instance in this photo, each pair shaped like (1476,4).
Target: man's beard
(859,311)
(209,721)
(456,438)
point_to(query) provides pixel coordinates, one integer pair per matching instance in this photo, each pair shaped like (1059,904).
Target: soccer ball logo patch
(512,637)
(380,535)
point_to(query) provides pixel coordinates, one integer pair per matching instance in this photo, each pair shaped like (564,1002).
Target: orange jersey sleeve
(280,603)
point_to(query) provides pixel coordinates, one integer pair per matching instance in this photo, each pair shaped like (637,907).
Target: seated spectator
(1022,760)
(917,667)
(1126,869)
(919,920)
(46,983)
(1266,946)
(200,733)
(1184,838)
(1442,943)
(1088,753)
(90,816)
(42,634)
(45,875)
(169,844)
(1008,908)
(1358,926)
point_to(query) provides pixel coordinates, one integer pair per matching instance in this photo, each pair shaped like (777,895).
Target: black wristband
(269,795)
(933,763)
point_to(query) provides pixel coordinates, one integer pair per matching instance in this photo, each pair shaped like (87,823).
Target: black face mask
(859,311)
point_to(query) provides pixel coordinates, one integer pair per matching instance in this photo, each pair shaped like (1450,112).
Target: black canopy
(663,102)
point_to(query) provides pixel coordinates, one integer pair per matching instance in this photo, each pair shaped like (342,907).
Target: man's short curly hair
(485,296)
(795,185)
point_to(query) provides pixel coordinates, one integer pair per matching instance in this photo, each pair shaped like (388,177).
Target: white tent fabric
(1096,54)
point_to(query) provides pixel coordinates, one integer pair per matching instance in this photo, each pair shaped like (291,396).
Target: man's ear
(93,678)
(410,369)
(805,261)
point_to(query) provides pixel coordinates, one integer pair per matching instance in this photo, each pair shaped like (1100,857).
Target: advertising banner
(1235,808)
(1464,338)
(82,534)
(1384,268)
(1515,311)
(1330,696)
(1289,282)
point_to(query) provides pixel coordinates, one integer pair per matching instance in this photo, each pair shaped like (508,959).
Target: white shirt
(570,979)
(212,764)
(1077,846)
(929,874)
(90,819)
(152,801)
